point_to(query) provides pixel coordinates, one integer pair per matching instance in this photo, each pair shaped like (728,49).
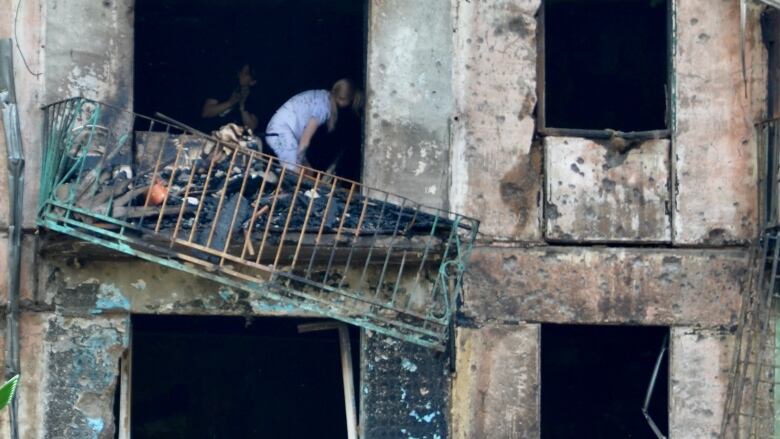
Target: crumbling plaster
(85,287)
(83,357)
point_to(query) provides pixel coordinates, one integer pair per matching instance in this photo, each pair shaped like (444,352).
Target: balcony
(216,207)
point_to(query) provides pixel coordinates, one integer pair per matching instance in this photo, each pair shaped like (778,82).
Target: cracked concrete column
(496,388)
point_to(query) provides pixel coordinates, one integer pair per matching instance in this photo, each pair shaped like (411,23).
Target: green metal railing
(216,207)
(753,379)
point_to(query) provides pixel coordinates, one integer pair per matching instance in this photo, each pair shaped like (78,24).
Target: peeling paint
(110,298)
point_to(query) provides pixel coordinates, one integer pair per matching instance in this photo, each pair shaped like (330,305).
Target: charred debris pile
(220,190)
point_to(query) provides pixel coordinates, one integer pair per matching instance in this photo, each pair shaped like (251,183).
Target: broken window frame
(541,84)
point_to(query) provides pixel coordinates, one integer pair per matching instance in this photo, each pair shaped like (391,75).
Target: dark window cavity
(229,377)
(595,379)
(186,50)
(605,64)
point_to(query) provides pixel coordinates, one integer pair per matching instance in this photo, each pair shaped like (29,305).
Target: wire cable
(16,41)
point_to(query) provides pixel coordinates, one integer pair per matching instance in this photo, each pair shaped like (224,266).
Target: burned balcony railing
(216,207)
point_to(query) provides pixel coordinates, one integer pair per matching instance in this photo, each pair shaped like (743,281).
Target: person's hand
(234,98)
(301,159)
(243,95)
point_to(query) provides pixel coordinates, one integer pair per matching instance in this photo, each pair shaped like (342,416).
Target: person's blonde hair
(338,88)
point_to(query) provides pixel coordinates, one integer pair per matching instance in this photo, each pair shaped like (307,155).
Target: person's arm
(308,133)
(249,119)
(213,108)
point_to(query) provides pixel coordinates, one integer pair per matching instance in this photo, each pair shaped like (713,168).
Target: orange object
(157,193)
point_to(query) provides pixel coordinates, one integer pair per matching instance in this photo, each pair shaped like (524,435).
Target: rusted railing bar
(398,279)
(218,253)
(222,196)
(390,247)
(201,202)
(73,194)
(63,123)
(240,195)
(290,211)
(373,241)
(314,194)
(324,215)
(167,191)
(424,259)
(354,240)
(365,299)
(344,216)
(59,124)
(184,201)
(267,229)
(253,218)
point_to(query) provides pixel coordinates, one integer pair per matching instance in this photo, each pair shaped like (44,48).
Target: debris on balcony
(219,208)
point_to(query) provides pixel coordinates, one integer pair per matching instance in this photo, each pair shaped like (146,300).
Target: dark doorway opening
(188,49)
(606,64)
(228,377)
(595,378)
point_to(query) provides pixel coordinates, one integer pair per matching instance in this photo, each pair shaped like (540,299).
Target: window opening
(595,381)
(187,50)
(232,377)
(605,65)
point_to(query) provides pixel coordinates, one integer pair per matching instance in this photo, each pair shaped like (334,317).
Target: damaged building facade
(608,150)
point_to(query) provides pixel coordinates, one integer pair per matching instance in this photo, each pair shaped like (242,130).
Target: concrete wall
(605,285)
(713,145)
(496,165)
(594,193)
(90,57)
(27,28)
(698,374)
(409,99)
(496,389)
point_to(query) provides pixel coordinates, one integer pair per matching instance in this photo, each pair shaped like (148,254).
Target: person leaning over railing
(293,125)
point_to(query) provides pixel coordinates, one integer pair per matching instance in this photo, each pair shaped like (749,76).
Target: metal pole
(649,394)
(13,143)
(347,374)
